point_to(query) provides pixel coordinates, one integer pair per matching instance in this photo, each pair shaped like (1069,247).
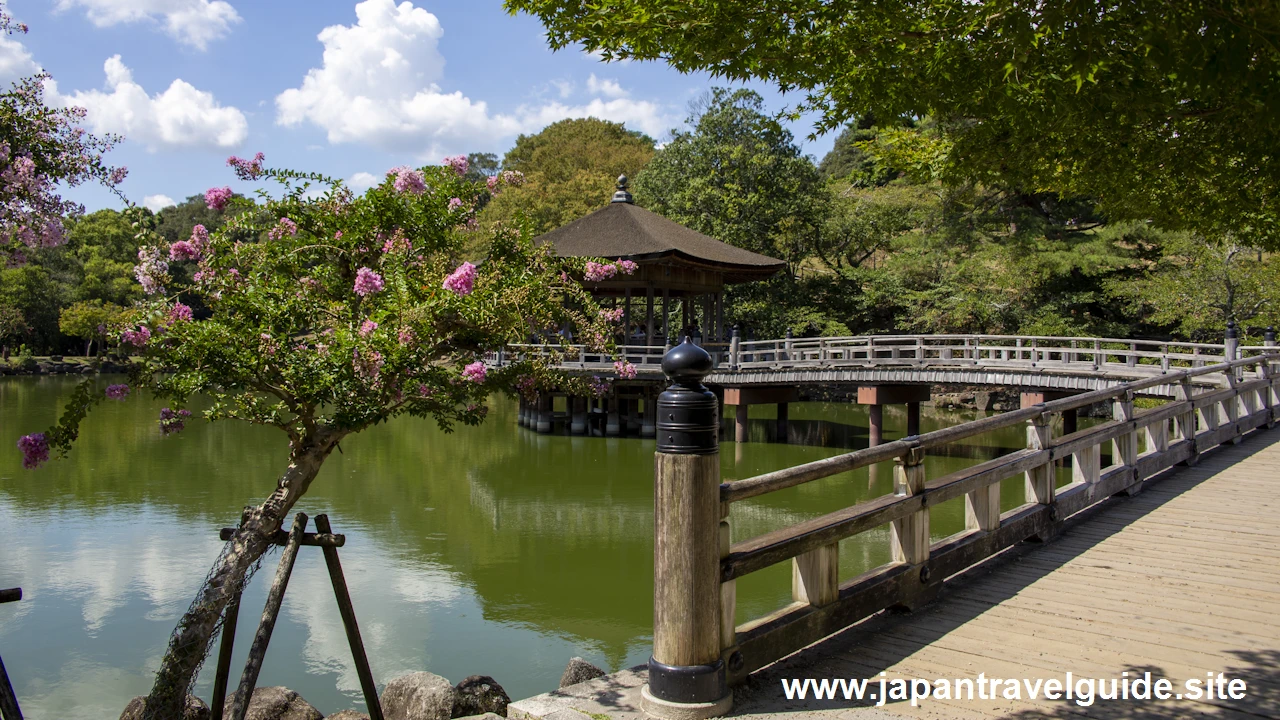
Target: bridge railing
(1069,353)
(1144,442)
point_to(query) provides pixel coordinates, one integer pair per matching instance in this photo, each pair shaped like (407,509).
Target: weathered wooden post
(9,709)
(544,419)
(1124,449)
(687,678)
(578,415)
(786,354)
(735,348)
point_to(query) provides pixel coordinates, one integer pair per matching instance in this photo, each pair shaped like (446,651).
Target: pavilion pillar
(666,317)
(612,428)
(626,320)
(720,333)
(544,413)
(684,314)
(649,423)
(782,422)
(708,329)
(648,335)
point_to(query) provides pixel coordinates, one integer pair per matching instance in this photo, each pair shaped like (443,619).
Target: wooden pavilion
(680,271)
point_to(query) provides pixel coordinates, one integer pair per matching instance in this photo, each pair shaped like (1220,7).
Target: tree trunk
(190,642)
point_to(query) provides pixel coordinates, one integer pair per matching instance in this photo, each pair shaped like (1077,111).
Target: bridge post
(687,678)
(545,418)
(577,415)
(909,536)
(735,348)
(1125,447)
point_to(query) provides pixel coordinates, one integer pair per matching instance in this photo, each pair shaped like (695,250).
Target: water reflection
(490,550)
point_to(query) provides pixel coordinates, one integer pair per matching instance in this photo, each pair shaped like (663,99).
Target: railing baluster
(1039,480)
(1125,447)
(909,537)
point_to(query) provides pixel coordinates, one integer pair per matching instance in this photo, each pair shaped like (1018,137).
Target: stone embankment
(59,365)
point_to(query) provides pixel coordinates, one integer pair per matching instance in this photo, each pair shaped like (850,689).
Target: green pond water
(491,550)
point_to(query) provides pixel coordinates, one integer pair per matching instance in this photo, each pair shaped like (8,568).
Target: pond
(492,550)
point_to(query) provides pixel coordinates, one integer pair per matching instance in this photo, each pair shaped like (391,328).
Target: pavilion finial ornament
(622,196)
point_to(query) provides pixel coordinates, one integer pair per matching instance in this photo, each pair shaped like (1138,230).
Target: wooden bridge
(1179,581)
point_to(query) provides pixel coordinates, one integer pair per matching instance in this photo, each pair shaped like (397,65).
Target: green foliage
(1161,111)
(90,320)
(570,169)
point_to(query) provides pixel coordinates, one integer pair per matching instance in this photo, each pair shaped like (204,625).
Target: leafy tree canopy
(1159,110)
(570,168)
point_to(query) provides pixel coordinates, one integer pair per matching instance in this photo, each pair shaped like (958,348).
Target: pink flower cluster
(409,180)
(405,336)
(180,313)
(458,163)
(511,178)
(367,327)
(368,282)
(476,372)
(525,385)
(625,370)
(117,392)
(627,266)
(151,271)
(172,421)
(613,315)
(597,272)
(461,281)
(136,338)
(367,364)
(283,227)
(35,450)
(247,169)
(455,203)
(118,175)
(217,198)
(598,386)
(183,250)
(397,243)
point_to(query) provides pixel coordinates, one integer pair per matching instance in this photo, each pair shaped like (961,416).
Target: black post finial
(788,335)
(1269,335)
(688,414)
(622,196)
(737,330)
(1232,332)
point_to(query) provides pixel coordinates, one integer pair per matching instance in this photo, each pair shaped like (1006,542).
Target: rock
(479,695)
(194,710)
(418,696)
(348,715)
(486,716)
(276,703)
(579,670)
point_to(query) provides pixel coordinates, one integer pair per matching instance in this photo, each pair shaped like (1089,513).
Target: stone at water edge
(486,716)
(418,696)
(348,715)
(195,709)
(579,670)
(479,695)
(275,703)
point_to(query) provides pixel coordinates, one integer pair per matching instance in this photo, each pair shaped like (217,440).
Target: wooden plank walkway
(1179,581)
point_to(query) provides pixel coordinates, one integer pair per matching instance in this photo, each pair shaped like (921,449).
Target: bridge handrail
(888,338)
(824,605)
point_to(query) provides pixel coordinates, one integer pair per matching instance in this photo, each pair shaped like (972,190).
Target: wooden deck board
(1181,580)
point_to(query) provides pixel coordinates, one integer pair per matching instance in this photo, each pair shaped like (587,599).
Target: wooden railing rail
(1143,443)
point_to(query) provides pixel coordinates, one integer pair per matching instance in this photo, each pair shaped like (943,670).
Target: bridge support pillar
(521,409)
(687,676)
(1070,418)
(578,415)
(545,419)
(633,416)
(612,427)
(648,427)
(877,396)
(743,397)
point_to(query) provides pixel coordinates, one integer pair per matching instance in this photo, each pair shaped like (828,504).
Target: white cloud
(179,117)
(191,22)
(608,88)
(15,60)
(565,87)
(362,181)
(156,202)
(378,86)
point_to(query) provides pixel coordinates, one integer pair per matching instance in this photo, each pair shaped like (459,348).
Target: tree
(1157,110)
(90,320)
(40,147)
(570,168)
(343,312)
(105,248)
(1199,285)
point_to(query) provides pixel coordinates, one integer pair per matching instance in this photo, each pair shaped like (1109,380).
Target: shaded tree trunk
(190,641)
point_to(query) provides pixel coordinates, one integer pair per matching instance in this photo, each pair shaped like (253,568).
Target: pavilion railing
(1143,443)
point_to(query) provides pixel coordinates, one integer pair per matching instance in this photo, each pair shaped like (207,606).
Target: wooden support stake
(9,709)
(275,596)
(223,674)
(349,624)
(909,536)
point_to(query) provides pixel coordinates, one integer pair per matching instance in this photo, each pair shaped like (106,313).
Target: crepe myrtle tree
(330,313)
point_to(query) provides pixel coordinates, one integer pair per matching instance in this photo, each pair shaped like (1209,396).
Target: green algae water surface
(491,550)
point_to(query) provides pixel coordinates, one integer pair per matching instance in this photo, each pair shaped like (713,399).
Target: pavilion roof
(624,230)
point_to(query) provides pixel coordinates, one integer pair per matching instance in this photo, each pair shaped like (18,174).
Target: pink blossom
(117,392)
(514,178)
(458,163)
(368,282)
(462,280)
(599,386)
(525,385)
(247,169)
(283,227)
(492,184)
(267,345)
(35,450)
(337,235)
(367,327)
(596,272)
(625,370)
(217,198)
(310,283)
(405,336)
(455,203)
(475,372)
(613,315)
(409,180)
(118,175)
(180,313)
(150,271)
(367,364)
(199,237)
(397,243)
(424,391)
(183,250)
(627,266)
(136,338)
(171,421)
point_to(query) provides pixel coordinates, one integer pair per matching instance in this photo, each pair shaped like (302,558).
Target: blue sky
(347,88)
